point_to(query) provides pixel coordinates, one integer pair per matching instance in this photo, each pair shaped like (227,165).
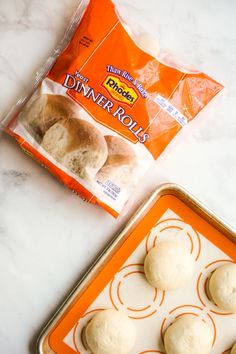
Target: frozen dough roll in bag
(104,107)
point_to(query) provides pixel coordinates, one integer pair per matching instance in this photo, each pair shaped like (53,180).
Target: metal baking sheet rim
(164,189)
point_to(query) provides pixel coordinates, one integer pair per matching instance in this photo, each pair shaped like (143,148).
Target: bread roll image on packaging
(77,145)
(120,164)
(108,66)
(110,332)
(222,287)
(188,335)
(44,111)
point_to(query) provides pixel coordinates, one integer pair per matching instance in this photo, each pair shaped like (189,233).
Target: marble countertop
(48,236)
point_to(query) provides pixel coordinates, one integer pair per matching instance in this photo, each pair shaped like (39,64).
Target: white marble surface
(48,236)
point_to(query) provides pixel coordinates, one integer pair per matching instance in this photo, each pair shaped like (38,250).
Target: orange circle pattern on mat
(187,310)
(78,331)
(168,229)
(121,283)
(120,286)
(202,281)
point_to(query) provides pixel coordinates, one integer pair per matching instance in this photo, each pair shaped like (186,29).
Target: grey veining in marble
(48,236)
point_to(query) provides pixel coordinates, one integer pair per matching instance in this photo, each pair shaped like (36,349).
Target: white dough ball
(233,350)
(110,332)
(168,266)
(188,335)
(222,287)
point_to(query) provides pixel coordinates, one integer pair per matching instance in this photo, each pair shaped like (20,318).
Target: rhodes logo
(120,91)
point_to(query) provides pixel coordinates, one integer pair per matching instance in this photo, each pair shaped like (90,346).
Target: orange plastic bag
(107,109)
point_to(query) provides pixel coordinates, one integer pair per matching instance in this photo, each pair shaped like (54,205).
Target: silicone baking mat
(120,283)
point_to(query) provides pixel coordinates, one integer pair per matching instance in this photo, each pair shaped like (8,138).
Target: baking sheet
(154,310)
(150,309)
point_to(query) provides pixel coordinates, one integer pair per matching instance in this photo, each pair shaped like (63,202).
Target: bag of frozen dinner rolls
(107,107)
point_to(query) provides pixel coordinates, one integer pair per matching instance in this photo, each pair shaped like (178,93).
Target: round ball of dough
(44,111)
(222,287)
(188,335)
(77,145)
(120,164)
(110,332)
(168,266)
(233,350)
